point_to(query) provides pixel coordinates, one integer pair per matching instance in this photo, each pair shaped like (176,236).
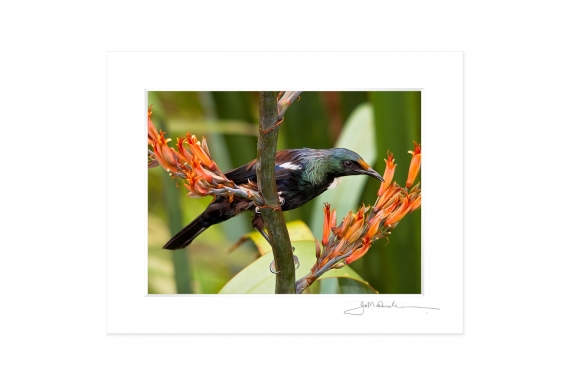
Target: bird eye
(347,163)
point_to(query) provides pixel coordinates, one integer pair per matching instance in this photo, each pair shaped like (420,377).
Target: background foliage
(229,121)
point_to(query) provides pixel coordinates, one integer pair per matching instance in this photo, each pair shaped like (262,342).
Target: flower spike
(352,239)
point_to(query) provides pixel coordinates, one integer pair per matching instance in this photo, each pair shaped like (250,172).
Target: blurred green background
(229,122)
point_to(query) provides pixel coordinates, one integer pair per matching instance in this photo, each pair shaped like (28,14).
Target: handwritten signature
(380,304)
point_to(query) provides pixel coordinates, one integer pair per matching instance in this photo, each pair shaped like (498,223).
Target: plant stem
(272,215)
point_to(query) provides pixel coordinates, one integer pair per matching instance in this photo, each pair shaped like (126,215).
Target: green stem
(272,215)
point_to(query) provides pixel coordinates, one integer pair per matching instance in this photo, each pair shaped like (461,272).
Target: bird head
(343,162)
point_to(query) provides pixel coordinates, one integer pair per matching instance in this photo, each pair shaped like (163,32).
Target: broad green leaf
(353,286)
(298,231)
(328,286)
(357,135)
(257,279)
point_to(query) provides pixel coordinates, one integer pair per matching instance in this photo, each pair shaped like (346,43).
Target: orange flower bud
(205,147)
(361,211)
(336,251)
(387,195)
(317,249)
(164,155)
(389,208)
(373,226)
(354,232)
(388,173)
(326,224)
(359,252)
(414,165)
(152,133)
(333,219)
(344,225)
(400,212)
(416,202)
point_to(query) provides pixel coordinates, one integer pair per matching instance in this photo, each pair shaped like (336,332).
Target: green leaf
(298,231)
(353,286)
(357,135)
(257,279)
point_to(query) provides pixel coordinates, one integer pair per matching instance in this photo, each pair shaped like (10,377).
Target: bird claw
(295,261)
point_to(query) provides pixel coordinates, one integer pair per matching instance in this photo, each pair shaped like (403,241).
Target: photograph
(339,212)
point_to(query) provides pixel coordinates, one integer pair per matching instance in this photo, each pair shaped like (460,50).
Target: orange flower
(373,226)
(152,133)
(336,251)
(200,171)
(414,165)
(333,219)
(416,202)
(355,231)
(400,212)
(361,211)
(344,225)
(198,151)
(327,224)
(164,154)
(359,252)
(194,186)
(387,195)
(388,173)
(184,153)
(387,210)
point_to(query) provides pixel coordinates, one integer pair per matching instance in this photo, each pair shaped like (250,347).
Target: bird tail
(187,234)
(218,211)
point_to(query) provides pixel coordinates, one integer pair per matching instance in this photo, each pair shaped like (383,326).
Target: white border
(438,74)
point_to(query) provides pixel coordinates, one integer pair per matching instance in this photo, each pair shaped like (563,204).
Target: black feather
(218,211)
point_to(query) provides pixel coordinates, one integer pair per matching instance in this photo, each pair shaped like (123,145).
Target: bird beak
(370,171)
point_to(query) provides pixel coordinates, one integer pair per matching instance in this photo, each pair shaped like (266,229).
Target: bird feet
(295,260)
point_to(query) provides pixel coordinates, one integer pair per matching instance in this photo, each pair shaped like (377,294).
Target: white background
(440,77)
(53,238)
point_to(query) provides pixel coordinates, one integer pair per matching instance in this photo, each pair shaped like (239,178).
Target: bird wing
(285,162)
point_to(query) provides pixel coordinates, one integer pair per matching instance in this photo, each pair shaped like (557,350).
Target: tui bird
(300,175)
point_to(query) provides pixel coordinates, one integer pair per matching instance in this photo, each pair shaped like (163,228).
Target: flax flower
(351,240)
(414,165)
(191,161)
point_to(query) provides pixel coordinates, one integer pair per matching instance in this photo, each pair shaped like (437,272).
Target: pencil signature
(380,304)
